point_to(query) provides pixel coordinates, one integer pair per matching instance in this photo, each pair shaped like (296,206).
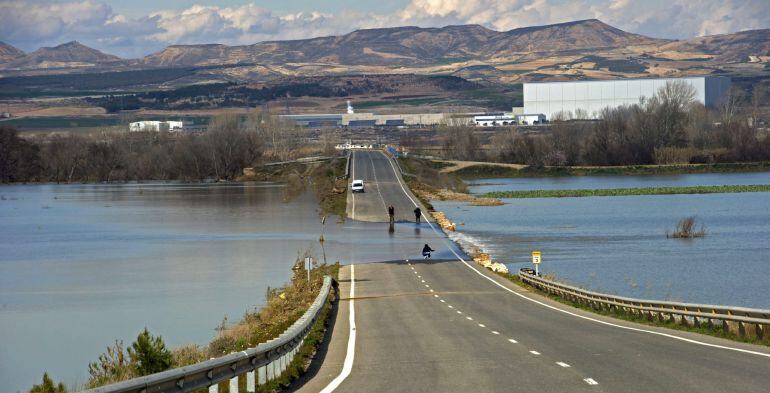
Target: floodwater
(84,265)
(618,245)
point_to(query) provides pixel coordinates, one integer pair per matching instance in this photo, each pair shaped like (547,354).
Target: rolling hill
(585,49)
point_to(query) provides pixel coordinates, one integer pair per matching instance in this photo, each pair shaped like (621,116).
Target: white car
(358,186)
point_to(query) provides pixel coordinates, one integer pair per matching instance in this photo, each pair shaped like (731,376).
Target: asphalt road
(450,326)
(382,187)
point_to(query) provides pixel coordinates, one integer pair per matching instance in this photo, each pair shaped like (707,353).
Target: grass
(492,171)
(703,328)
(629,191)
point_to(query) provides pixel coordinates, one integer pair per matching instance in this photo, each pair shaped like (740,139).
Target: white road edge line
(353,175)
(688,340)
(591,381)
(347,367)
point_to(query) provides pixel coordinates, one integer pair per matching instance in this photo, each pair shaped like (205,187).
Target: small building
(494,120)
(530,118)
(156,125)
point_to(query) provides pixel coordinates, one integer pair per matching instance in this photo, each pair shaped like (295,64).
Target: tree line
(229,145)
(668,128)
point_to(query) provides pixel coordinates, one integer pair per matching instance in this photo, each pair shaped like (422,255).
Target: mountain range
(573,50)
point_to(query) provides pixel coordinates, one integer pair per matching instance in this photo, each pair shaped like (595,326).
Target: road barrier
(259,365)
(743,322)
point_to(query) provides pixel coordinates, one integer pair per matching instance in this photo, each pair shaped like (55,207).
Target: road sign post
(536,259)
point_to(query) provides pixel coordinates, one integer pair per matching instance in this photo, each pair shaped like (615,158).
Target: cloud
(30,24)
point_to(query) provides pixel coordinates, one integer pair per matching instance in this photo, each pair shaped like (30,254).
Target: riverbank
(628,191)
(480,171)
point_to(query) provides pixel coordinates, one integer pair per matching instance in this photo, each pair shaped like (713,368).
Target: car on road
(358,186)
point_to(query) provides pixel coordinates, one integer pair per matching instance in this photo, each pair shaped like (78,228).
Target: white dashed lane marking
(534,352)
(482,325)
(565,365)
(591,381)
(495,332)
(435,295)
(512,341)
(469,318)
(443,301)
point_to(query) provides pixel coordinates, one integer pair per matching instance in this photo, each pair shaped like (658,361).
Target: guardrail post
(262,375)
(214,388)
(234,384)
(251,383)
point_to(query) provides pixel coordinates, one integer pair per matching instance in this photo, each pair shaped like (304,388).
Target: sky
(135,28)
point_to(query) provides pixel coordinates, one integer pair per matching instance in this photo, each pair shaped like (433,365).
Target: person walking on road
(426,250)
(391,213)
(417,214)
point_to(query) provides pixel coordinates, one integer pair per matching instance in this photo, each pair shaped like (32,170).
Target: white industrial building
(590,97)
(155,125)
(508,119)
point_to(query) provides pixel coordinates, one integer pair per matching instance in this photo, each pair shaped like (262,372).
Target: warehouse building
(368,119)
(586,99)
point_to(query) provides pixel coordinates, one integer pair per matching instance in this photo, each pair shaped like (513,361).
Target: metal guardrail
(744,322)
(260,364)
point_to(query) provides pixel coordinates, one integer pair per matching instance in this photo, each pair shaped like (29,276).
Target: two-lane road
(383,187)
(451,326)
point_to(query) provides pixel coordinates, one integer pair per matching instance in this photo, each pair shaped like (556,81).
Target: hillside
(405,46)
(736,47)
(9,52)
(70,54)
(585,49)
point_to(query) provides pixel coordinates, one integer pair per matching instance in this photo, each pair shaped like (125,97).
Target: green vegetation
(628,191)
(150,353)
(48,386)
(703,328)
(147,355)
(492,171)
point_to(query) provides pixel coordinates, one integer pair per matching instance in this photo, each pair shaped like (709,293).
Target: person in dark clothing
(417,214)
(391,213)
(426,250)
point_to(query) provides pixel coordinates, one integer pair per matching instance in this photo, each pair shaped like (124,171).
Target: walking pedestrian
(417,214)
(391,213)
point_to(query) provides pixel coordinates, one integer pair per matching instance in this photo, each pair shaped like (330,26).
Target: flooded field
(618,244)
(83,265)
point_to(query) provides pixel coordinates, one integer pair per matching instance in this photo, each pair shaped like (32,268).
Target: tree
(48,386)
(460,143)
(19,159)
(150,354)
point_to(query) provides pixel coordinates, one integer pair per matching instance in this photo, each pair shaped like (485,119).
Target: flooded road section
(83,265)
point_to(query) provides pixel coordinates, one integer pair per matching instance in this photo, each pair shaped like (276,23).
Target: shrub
(48,386)
(686,229)
(150,353)
(115,365)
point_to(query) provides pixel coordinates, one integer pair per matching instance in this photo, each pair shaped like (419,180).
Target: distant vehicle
(358,186)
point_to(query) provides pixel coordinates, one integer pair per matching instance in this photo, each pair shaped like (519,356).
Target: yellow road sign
(536,258)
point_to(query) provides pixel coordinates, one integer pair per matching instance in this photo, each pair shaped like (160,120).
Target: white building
(155,125)
(590,97)
(508,119)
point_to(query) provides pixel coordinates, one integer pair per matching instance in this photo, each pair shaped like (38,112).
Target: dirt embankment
(429,181)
